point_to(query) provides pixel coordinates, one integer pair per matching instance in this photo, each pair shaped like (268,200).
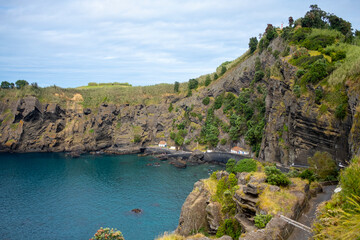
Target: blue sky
(72,42)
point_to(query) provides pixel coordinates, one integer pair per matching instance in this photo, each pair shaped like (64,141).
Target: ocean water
(49,196)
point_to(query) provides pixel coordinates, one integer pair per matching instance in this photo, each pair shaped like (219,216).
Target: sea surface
(50,196)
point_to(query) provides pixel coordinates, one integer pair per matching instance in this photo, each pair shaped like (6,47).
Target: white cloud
(141,41)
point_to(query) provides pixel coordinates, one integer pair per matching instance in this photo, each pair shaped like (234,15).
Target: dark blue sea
(49,196)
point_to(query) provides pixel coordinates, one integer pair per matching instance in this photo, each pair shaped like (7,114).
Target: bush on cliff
(108,234)
(275,177)
(261,220)
(230,227)
(245,165)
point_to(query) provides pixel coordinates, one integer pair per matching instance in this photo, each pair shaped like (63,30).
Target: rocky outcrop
(193,212)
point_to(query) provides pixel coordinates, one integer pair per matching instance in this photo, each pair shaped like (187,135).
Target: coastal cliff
(294,129)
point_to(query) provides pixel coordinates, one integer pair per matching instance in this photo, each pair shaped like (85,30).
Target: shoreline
(196,157)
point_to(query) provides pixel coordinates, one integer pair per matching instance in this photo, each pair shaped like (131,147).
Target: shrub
(230,165)
(193,84)
(223,141)
(276,177)
(189,93)
(317,71)
(223,70)
(300,53)
(319,93)
(221,188)
(172,135)
(92,84)
(259,75)
(207,80)
(232,181)
(107,233)
(216,76)
(293,173)
(300,73)
(308,174)
(170,107)
(276,54)
(297,91)
(261,220)
(206,101)
(218,101)
(245,165)
(323,165)
(137,138)
(340,111)
(230,227)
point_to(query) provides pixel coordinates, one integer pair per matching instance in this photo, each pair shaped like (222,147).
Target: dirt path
(308,216)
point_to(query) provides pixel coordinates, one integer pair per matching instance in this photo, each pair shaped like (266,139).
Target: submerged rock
(136,210)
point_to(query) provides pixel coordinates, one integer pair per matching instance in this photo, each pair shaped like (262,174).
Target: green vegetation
(207,80)
(244,165)
(261,220)
(206,101)
(176,87)
(323,166)
(137,138)
(339,218)
(308,174)
(253,44)
(275,177)
(230,227)
(170,107)
(108,234)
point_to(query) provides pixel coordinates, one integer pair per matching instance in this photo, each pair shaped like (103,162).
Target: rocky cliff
(293,127)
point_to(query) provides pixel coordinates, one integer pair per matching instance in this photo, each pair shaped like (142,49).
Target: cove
(49,196)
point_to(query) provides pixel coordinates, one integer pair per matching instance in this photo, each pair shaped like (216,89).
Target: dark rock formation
(136,210)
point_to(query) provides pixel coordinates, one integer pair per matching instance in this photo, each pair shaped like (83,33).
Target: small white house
(172,148)
(239,150)
(162,144)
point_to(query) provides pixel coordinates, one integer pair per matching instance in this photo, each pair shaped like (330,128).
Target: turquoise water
(49,196)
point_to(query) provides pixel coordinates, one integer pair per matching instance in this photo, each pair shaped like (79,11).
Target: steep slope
(263,114)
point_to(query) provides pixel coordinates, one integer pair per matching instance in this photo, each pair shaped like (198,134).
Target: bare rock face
(214,216)
(193,212)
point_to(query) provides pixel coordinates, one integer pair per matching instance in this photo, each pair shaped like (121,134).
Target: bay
(50,196)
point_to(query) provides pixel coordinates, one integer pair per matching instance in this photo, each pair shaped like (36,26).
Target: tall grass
(349,67)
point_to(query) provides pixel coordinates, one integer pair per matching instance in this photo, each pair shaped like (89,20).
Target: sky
(70,43)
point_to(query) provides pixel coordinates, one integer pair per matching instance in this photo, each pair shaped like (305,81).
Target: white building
(239,150)
(162,144)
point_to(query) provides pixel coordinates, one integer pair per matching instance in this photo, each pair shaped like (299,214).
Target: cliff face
(294,128)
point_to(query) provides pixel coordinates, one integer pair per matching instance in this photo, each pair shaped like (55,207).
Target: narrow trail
(308,216)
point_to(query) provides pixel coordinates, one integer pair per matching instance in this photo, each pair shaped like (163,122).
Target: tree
(253,44)
(5,85)
(339,24)
(216,76)
(315,18)
(223,70)
(291,21)
(193,84)
(207,80)
(21,83)
(323,165)
(176,86)
(270,32)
